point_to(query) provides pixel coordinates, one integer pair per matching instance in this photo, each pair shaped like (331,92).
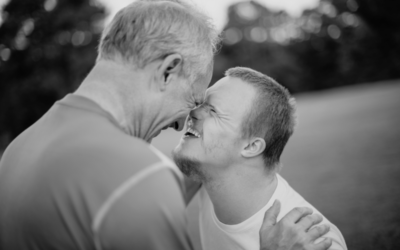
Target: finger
(297,213)
(271,214)
(310,220)
(324,245)
(318,231)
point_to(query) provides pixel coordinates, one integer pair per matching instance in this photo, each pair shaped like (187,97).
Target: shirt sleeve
(150,215)
(338,242)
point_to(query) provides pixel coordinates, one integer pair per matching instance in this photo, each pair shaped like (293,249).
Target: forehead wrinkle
(197,97)
(209,105)
(221,104)
(207,102)
(202,97)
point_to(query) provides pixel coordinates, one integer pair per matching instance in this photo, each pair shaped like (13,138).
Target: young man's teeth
(193,132)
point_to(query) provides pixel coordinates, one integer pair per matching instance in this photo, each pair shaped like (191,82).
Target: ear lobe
(171,66)
(254,148)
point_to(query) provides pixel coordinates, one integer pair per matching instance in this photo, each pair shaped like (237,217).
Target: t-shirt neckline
(252,220)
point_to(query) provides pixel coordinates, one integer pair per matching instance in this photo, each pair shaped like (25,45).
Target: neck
(237,197)
(119,90)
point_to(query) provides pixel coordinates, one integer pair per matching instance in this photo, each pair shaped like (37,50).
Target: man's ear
(254,147)
(169,68)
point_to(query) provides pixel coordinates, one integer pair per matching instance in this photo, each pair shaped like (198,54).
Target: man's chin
(189,166)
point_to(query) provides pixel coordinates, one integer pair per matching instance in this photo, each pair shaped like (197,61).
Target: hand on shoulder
(297,230)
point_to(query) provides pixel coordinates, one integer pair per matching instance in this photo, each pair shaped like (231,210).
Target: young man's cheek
(217,140)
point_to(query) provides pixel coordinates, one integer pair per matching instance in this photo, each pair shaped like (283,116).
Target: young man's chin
(189,166)
(182,151)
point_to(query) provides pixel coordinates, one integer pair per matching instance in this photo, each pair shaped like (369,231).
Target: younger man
(232,145)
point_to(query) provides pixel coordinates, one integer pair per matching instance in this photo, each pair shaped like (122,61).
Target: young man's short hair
(272,113)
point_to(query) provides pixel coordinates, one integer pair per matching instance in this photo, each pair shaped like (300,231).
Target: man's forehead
(230,94)
(200,96)
(200,85)
(218,88)
(218,97)
(198,91)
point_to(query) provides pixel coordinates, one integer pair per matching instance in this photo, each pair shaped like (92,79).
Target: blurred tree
(330,54)
(46,49)
(382,16)
(358,41)
(383,19)
(253,38)
(340,42)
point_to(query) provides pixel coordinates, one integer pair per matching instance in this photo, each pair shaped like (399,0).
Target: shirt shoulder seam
(118,193)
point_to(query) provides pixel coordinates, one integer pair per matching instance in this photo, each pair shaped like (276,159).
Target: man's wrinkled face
(183,97)
(188,97)
(213,140)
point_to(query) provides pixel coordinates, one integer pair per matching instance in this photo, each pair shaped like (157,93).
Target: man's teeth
(192,131)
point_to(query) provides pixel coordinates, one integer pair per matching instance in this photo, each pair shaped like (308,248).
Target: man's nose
(179,124)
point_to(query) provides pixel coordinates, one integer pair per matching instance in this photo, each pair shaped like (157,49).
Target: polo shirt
(76,180)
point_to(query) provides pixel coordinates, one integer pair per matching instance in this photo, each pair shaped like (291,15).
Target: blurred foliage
(46,49)
(341,42)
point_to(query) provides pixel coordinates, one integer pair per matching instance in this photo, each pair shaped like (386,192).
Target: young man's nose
(197,113)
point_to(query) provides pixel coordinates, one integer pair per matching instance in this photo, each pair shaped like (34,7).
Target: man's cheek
(215,146)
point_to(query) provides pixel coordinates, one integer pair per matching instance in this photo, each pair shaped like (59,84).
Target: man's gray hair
(271,115)
(147,30)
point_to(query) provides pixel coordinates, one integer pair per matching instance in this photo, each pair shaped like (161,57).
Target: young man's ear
(254,147)
(170,67)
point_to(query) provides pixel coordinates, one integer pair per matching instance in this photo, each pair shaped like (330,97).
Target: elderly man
(84,175)
(232,145)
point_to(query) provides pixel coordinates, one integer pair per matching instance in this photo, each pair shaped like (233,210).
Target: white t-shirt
(216,235)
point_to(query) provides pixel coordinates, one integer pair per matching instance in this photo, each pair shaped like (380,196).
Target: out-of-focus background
(340,59)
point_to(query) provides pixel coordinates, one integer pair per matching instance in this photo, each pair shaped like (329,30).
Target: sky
(217,9)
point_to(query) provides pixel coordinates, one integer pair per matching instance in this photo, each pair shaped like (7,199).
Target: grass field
(344,158)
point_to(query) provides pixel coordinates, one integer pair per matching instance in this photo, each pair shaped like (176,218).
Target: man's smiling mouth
(190,132)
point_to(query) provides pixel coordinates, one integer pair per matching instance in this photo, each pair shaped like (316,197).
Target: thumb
(271,215)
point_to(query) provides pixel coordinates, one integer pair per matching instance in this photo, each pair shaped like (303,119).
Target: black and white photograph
(199,125)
